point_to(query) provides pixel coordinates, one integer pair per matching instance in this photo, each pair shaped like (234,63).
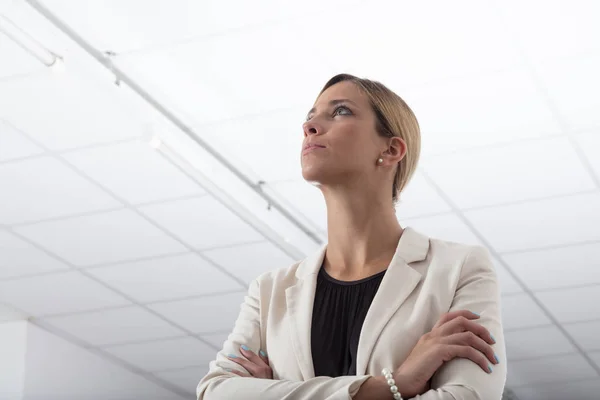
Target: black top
(338,315)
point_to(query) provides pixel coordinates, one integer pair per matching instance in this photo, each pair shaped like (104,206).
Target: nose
(311,128)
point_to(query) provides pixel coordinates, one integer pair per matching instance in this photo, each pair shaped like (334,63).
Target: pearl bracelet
(390,380)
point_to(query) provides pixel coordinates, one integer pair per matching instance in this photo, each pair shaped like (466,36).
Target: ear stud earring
(380,161)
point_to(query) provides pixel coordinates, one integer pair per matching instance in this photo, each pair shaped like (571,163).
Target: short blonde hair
(393,118)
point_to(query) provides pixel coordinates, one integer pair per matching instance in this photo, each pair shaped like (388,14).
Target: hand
(256,365)
(454,335)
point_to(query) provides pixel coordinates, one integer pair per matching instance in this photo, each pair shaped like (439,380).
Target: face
(340,139)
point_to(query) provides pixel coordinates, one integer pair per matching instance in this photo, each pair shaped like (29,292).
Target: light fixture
(29,44)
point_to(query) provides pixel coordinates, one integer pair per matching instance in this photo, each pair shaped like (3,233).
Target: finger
(470,339)
(462,324)
(263,356)
(453,314)
(469,353)
(252,357)
(233,371)
(247,365)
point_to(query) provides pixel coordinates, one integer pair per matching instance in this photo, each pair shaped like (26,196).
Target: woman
(381,312)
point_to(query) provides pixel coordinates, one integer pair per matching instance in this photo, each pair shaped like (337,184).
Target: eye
(342,110)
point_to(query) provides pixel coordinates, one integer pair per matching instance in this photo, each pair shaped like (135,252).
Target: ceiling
(127,225)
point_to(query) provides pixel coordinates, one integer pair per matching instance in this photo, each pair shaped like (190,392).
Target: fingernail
(476,313)
(490,368)
(244,347)
(262,353)
(493,339)
(497,359)
(232,356)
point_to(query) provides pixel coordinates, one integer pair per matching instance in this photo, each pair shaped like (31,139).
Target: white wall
(13,342)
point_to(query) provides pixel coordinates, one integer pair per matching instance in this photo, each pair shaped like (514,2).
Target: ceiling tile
(267,144)
(445,227)
(596,358)
(16,60)
(305,198)
(18,257)
(589,143)
(9,313)
(536,342)
(134,172)
(58,293)
(250,261)
(166,278)
(203,223)
(586,334)
(14,144)
(574,219)
(204,314)
(64,192)
(109,237)
(120,325)
(66,115)
(580,390)
(508,284)
(573,85)
(572,305)
(553,29)
(472,112)
(216,339)
(165,354)
(557,268)
(519,311)
(565,368)
(419,198)
(537,169)
(187,378)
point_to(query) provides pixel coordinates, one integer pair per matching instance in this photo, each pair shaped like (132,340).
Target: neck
(363,234)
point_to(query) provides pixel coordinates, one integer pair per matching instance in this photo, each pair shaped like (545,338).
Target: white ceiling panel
(590,143)
(66,115)
(580,390)
(479,110)
(596,357)
(14,144)
(102,238)
(573,86)
(445,227)
(216,339)
(15,60)
(519,311)
(483,177)
(305,198)
(166,278)
(135,172)
(58,293)
(18,258)
(574,219)
(120,325)
(389,41)
(63,191)
(251,260)
(203,81)
(559,267)
(268,144)
(536,342)
(202,223)
(9,313)
(186,378)
(138,24)
(585,334)
(572,305)
(565,368)
(553,29)
(205,314)
(508,284)
(419,198)
(165,354)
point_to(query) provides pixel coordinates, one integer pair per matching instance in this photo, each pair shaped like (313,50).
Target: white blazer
(425,279)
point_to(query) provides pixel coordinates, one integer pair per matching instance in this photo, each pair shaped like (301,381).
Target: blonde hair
(393,118)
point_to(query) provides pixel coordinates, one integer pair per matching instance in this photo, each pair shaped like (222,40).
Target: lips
(312,146)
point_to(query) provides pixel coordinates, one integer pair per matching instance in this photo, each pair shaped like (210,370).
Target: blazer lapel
(300,300)
(398,283)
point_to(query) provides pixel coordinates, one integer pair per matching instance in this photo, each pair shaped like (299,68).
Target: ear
(396,150)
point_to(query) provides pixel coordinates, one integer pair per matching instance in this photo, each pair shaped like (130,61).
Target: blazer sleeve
(220,384)
(462,379)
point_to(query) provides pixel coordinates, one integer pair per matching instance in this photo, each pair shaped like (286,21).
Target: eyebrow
(334,102)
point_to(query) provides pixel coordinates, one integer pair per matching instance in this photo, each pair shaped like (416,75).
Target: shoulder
(460,258)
